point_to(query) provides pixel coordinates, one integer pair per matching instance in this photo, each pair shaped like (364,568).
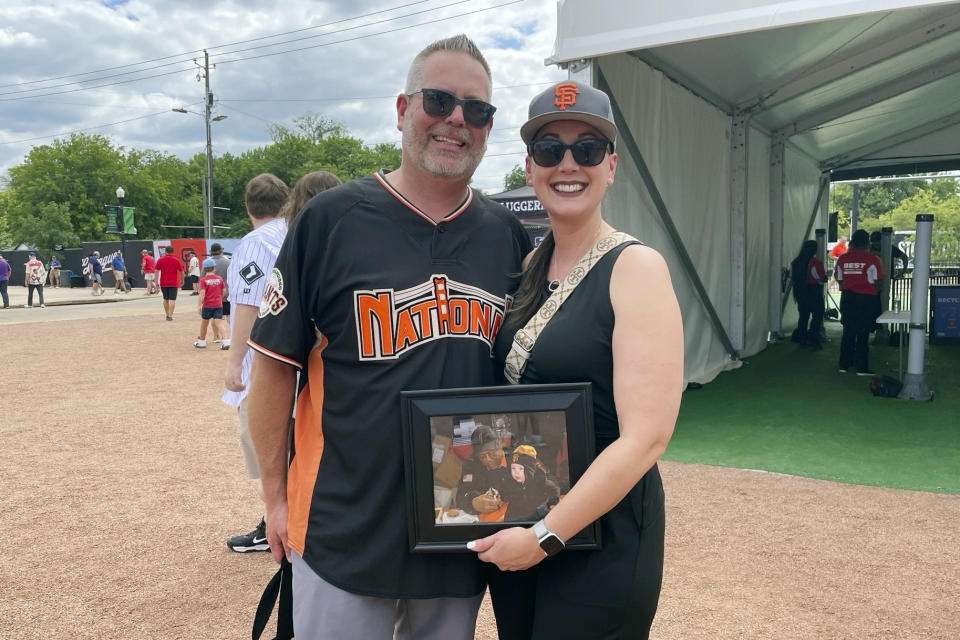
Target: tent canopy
(735,115)
(862,87)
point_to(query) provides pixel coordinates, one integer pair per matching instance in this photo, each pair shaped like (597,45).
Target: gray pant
(322,611)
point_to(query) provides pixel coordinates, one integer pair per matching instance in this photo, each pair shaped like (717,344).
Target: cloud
(74,66)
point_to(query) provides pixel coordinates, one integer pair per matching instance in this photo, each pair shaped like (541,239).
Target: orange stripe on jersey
(273,355)
(308,449)
(399,196)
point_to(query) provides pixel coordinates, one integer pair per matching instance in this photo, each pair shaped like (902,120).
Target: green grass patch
(788,410)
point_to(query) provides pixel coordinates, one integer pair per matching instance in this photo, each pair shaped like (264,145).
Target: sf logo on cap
(565,95)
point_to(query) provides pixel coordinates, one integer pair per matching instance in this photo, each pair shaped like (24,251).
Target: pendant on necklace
(553,285)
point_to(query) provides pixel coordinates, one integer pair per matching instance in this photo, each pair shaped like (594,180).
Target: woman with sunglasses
(620,329)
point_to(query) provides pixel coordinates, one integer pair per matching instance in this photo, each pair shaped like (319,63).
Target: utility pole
(208,104)
(207,107)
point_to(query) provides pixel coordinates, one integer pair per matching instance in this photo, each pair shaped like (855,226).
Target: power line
(39,95)
(220,46)
(100,126)
(359,26)
(379,33)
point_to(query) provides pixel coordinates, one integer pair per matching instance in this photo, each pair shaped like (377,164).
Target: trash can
(65,276)
(77,281)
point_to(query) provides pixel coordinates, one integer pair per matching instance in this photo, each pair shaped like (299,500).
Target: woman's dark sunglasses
(440,104)
(588,152)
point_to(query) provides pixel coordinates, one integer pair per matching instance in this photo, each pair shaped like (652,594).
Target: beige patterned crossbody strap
(526,337)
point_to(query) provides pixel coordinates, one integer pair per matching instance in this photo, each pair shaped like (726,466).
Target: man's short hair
(265,196)
(96,253)
(459,43)
(216,248)
(169,248)
(860,239)
(143,250)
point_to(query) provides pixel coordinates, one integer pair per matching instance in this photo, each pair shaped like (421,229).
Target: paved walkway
(65,303)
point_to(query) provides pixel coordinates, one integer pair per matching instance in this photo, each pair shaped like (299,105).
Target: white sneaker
(200,344)
(43,306)
(26,306)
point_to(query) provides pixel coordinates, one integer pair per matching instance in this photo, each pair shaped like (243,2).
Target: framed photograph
(487,458)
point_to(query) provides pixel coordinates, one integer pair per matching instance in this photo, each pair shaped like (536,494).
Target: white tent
(735,115)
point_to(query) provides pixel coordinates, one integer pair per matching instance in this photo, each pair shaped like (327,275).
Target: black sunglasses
(588,152)
(438,103)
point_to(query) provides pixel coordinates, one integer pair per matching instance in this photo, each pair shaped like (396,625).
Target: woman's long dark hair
(527,298)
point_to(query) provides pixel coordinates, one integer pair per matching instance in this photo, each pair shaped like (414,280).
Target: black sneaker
(256,540)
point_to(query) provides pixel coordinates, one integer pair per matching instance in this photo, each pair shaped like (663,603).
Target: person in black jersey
(621,330)
(390,282)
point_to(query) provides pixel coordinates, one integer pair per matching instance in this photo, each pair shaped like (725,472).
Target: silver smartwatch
(550,543)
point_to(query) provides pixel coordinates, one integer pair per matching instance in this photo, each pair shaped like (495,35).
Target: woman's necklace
(554,284)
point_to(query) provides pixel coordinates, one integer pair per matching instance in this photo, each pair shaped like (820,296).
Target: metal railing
(901,285)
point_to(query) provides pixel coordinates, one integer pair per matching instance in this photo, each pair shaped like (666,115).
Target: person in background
(221,266)
(808,276)
(619,329)
(210,303)
(119,274)
(170,277)
(248,280)
(193,272)
(34,277)
(308,186)
(859,273)
(148,268)
(839,249)
(96,274)
(4,281)
(378,255)
(54,272)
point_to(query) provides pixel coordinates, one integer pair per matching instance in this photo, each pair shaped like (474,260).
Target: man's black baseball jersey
(370,297)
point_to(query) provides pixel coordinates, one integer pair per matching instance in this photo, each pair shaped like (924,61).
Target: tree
(81,174)
(515,179)
(876,198)
(945,207)
(49,227)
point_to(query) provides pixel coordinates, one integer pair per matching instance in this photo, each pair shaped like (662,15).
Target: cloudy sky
(117,68)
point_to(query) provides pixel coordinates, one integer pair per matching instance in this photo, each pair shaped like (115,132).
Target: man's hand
(511,549)
(487,502)
(277,530)
(233,379)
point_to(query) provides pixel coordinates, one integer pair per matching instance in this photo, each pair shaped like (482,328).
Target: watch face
(551,544)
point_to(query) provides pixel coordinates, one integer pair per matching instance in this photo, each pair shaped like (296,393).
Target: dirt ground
(122,478)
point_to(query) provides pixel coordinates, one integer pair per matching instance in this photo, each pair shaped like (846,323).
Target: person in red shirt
(859,272)
(170,272)
(210,304)
(840,248)
(149,270)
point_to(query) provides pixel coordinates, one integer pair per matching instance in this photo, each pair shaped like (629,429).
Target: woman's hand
(511,549)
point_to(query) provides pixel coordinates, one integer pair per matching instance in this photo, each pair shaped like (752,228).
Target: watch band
(550,543)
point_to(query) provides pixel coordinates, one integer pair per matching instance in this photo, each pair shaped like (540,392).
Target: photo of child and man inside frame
(501,467)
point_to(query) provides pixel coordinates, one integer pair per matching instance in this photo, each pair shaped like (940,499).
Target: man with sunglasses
(387,283)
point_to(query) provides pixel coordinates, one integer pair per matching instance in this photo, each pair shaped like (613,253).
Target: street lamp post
(208,196)
(123,230)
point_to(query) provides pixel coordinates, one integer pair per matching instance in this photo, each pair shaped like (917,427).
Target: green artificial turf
(788,410)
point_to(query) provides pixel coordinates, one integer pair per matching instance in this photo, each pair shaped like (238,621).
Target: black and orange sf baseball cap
(570,100)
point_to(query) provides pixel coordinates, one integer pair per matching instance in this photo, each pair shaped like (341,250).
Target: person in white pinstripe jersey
(252,260)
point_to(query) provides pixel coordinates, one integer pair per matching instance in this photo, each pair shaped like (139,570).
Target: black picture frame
(444,433)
